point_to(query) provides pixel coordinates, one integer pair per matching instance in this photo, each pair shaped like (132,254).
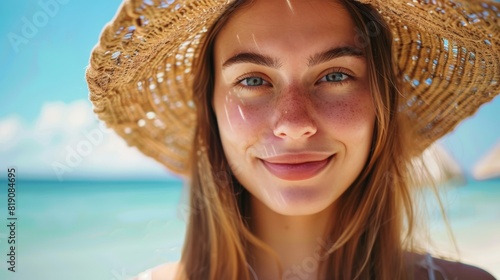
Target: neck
(298,242)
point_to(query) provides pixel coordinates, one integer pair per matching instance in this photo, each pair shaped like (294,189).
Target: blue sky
(51,65)
(43,83)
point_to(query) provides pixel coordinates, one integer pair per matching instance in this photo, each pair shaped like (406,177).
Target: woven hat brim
(449,56)
(140,72)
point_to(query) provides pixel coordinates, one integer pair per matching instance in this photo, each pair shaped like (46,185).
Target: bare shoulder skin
(165,271)
(444,269)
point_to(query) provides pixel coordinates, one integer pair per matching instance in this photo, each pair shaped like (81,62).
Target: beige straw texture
(140,72)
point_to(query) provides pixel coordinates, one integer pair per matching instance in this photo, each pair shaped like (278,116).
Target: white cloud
(68,142)
(10,129)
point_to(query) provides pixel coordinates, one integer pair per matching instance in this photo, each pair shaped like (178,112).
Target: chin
(298,200)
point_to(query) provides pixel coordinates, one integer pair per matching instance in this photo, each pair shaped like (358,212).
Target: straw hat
(140,73)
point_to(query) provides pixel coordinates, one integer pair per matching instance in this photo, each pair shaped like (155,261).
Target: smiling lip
(295,167)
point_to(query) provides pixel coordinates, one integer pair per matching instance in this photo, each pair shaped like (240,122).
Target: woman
(297,126)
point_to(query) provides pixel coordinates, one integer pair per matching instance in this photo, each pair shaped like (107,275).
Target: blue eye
(335,77)
(253,81)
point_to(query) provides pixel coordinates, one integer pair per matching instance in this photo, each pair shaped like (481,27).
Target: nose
(293,115)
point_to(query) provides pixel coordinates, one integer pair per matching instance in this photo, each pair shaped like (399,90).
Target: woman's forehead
(290,15)
(275,26)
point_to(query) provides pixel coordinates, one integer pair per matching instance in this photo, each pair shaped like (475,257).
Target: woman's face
(293,102)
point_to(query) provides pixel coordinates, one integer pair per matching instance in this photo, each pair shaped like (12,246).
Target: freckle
(344,116)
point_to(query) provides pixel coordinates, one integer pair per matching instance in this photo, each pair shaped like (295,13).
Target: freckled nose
(293,116)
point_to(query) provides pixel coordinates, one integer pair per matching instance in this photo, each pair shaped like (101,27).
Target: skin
(294,110)
(292,104)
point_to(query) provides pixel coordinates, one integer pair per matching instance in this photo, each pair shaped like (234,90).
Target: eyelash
(339,70)
(239,81)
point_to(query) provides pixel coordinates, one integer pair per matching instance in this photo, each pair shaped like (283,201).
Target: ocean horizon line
(97,180)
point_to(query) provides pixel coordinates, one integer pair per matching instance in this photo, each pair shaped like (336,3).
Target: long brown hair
(376,210)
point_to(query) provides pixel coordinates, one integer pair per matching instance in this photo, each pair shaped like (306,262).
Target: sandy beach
(478,245)
(474,216)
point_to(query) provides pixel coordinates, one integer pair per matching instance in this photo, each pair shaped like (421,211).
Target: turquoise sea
(114,230)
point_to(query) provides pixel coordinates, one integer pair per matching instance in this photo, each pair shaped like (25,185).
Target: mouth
(296,167)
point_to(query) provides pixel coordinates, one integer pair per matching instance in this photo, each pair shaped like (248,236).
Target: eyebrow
(260,59)
(334,53)
(250,57)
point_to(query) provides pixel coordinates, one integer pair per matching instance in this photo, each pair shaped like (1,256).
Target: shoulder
(425,265)
(457,270)
(166,271)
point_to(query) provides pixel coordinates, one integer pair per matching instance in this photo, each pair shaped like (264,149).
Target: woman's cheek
(354,114)
(241,120)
